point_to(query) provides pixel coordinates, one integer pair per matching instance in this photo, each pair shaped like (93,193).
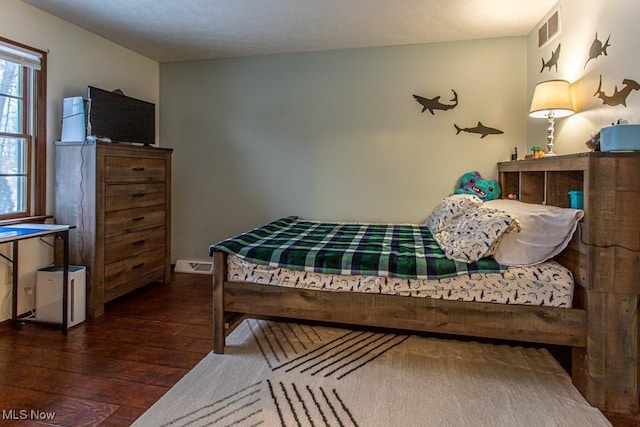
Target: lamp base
(550,122)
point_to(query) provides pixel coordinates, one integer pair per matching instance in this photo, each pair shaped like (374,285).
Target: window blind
(22,56)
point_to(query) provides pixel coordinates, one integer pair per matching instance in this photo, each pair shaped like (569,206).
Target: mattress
(545,284)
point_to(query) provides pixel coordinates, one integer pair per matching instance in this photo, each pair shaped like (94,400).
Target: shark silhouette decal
(618,97)
(435,104)
(553,61)
(479,129)
(597,49)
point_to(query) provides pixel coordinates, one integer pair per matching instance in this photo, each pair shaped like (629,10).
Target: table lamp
(551,99)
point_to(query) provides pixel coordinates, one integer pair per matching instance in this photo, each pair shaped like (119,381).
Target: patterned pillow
(449,209)
(475,234)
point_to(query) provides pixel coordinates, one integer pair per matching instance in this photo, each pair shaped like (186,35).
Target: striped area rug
(287,374)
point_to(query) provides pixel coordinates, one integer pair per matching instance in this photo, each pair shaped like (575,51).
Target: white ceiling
(179,30)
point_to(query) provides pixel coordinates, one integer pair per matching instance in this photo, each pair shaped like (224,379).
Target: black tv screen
(120,118)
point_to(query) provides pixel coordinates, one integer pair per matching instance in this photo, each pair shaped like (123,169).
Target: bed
(245,288)
(371,275)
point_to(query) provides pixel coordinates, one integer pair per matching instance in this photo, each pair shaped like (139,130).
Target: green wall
(333,135)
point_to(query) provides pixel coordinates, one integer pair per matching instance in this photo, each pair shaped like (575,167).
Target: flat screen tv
(119,118)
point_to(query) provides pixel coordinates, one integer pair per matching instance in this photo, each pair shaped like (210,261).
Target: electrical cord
(31,315)
(45,242)
(612,245)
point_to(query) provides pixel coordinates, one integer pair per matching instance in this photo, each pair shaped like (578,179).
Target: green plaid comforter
(404,251)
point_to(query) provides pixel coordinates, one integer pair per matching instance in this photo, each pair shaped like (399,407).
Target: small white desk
(15,233)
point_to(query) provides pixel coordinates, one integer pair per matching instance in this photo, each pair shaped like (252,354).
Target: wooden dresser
(604,259)
(118,196)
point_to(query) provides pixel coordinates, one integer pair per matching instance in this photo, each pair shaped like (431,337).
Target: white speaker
(74,128)
(49,295)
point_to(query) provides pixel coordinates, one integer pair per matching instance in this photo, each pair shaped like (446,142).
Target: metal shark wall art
(553,61)
(618,97)
(479,129)
(597,49)
(435,104)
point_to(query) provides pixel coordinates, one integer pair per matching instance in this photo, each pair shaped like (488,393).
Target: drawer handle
(138,243)
(138,265)
(137,195)
(138,218)
(138,169)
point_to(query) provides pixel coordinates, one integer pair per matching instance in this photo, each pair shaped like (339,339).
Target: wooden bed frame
(602,328)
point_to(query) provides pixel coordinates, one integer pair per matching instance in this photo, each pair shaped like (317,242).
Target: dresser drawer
(126,245)
(126,196)
(134,169)
(127,270)
(129,220)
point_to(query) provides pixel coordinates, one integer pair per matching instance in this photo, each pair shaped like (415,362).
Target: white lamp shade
(552,97)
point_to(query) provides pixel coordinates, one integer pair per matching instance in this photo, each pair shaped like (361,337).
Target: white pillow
(545,232)
(450,208)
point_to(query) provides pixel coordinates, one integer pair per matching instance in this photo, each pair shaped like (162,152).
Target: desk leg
(14,285)
(65,280)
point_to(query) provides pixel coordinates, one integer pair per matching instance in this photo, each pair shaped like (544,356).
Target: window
(22,130)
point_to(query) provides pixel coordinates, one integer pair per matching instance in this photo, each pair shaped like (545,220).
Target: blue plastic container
(576,198)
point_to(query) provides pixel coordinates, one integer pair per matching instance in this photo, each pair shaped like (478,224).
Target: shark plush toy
(473,183)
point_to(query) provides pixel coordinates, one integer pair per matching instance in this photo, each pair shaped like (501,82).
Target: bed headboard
(611,210)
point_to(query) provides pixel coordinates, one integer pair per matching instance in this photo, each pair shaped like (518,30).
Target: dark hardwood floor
(108,371)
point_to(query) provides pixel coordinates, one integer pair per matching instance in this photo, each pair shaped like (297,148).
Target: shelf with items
(543,181)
